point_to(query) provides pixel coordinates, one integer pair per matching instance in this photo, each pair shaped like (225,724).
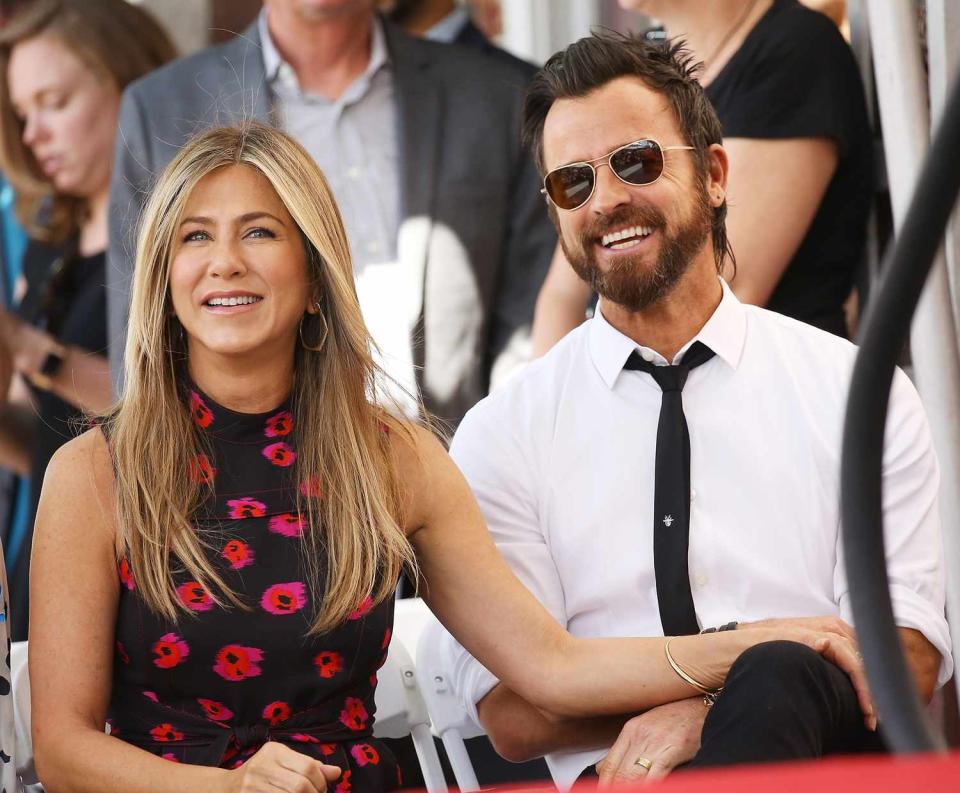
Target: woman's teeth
(233,301)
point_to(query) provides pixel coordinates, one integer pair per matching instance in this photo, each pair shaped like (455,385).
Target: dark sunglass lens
(638,163)
(571,186)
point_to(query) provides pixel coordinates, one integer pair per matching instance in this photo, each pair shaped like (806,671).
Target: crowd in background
(455,258)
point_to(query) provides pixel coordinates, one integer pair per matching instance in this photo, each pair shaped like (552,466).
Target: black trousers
(783,701)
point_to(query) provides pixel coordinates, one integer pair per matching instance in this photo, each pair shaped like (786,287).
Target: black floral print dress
(211,688)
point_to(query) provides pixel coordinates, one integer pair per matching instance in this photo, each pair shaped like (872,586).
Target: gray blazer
(462,171)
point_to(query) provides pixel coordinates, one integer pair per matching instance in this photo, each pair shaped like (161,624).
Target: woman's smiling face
(238,276)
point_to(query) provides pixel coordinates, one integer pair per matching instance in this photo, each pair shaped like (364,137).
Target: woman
(788,94)
(64,64)
(228,541)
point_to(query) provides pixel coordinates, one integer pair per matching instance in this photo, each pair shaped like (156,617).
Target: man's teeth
(233,301)
(609,240)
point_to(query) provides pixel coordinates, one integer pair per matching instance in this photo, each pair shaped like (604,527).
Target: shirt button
(648,356)
(701,581)
(372,247)
(693,494)
(353,172)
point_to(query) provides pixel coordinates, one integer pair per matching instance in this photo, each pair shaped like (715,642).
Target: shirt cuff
(911,610)
(472,682)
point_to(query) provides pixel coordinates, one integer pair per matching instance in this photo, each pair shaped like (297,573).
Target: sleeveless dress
(215,685)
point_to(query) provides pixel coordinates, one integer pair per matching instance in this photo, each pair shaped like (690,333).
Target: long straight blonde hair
(353,501)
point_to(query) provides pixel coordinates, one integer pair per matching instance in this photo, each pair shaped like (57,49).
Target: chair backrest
(20,684)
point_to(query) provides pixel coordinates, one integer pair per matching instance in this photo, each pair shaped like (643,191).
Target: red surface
(916,774)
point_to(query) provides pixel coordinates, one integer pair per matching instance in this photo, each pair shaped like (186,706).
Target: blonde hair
(343,437)
(118,41)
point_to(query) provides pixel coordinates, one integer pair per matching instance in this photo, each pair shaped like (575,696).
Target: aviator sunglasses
(641,162)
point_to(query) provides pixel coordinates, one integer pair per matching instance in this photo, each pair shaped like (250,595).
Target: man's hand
(665,736)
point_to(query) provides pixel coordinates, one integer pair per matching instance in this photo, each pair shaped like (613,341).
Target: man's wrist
(730,626)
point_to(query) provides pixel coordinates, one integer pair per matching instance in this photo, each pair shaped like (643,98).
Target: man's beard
(628,282)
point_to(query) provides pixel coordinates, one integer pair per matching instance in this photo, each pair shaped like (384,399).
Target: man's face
(319,10)
(637,270)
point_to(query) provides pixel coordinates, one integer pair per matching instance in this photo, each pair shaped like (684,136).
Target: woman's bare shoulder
(81,471)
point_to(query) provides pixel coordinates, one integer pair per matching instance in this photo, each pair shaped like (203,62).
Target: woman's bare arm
(476,596)
(73,603)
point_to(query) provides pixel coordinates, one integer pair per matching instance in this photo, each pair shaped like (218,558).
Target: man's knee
(779,663)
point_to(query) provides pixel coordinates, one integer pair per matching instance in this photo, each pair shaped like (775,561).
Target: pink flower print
(284,598)
(276,713)
(241,508)
(288,524)
(354,714)
(170,756)
(215,711)
(365,754)
(202,415)
(362,610)
(279,425)
(200,470)
(122,652)
(238,553)
(151,695)
(235,662)
(280,454)
(302,737)
(310,487)
(126,574)
(194,596)
(170,651)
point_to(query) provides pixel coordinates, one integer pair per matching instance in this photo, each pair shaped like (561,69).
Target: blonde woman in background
(214,565)
(63,65)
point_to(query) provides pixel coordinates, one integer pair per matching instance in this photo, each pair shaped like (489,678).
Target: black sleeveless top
(212,688)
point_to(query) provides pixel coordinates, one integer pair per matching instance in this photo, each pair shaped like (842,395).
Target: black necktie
(671,499)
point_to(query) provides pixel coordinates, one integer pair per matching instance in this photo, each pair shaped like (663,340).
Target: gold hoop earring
(318,347)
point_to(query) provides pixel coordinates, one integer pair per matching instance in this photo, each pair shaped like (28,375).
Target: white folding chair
(20,683)
(401,710)
(450,721)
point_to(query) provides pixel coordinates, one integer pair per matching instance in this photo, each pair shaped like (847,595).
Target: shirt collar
(278,70)
(724,333)
(448,28)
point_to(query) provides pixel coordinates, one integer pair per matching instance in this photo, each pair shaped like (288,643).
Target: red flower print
(238,553)
(276,713)
(151,695)
(246,508)
(165,733)
(288,524)
(365,754)
(126,574)
(170,756)
(302,737)
(327,749)
(170,650)
(310,487)
(194,596)
(280,454)
(354,714)
(284,598)
(362,610)
(384,427)
(373,680)
(200,470)
(202,415)
(236,663)
(328,663)
(386,639)
(344,785)
(279,425)
(215,711)
(122,652)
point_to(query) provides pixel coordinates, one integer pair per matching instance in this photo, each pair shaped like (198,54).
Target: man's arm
(527,250)
(923,659)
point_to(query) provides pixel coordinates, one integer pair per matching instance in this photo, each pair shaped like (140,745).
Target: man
(624,517)
(420,143)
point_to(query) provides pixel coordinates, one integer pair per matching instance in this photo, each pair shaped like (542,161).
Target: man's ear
(718,166)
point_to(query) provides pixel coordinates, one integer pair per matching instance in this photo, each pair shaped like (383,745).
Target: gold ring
(644,762)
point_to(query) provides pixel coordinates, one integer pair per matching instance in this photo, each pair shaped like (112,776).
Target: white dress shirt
(561,461)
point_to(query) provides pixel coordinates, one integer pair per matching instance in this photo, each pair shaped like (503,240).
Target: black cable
(884,331)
